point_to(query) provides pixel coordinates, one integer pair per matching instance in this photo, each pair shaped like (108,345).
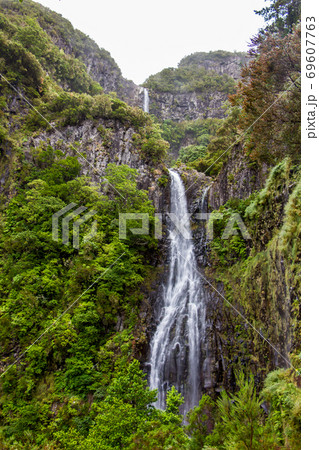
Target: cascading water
(146,104)
(176,345)
(204,198)
(203,237)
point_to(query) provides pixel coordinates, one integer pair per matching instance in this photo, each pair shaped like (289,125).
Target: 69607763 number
(310,47)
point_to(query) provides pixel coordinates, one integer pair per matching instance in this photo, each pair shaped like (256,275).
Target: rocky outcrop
(110,78)
(96,144)
(239,178)
(100,65)
(187,106)
(220,62)
(186,94)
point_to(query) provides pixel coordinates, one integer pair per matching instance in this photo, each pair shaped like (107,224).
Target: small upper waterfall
(146,104)
(176,345)
(204,198)
(203,235)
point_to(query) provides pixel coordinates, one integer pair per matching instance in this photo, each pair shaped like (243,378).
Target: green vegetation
(264,113)
(281,15)
(207,59)
(28,41)
(221,141)
(41,278)
(261,276)
(72,330)
(191,153)
(227,251)
(241,422)
(189,139)
(47,288)
(38,29)
(272,79)
(190,79)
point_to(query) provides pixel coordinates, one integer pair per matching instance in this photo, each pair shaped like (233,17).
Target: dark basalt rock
(239,178)
(187,106)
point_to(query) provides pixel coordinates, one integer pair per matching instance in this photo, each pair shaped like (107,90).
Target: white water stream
(176,345)
(146,103)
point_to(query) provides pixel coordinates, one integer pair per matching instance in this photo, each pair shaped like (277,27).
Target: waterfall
(146,104)
(176,345)
(203,238)
(203,202)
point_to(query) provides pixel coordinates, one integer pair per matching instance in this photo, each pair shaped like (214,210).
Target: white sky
(145,36)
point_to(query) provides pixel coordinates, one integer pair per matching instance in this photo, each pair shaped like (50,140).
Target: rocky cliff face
(97,144)
(252,288)
(220,62)
(238,178)
(262,292)
(187,106)
(103,69)
(103,141)
(100,65)
(221,347)
(189,92)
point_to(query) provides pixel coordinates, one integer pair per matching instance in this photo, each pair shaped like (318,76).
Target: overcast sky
(145,36)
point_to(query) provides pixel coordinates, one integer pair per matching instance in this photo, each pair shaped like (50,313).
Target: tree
(268,95)
(125,408)
(281,15)
(201,422)
(241,422)
(166,431)
(131,387)
(284,397)
(173,401)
